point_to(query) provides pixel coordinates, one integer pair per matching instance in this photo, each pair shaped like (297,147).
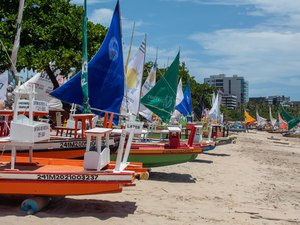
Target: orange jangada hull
(62,177)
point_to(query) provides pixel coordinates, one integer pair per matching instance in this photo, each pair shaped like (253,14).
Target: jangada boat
(37,176)
(155,154)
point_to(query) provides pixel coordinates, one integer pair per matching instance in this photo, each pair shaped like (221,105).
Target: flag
(161,98)
(133,82)
(185,107)
(147,86)
(105,75)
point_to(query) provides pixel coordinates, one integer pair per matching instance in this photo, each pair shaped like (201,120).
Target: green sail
(292,121)
(161,98)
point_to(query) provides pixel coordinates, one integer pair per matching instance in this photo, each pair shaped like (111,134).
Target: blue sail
(185,106)
(105,74)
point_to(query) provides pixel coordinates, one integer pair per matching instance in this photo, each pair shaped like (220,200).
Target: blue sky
(257,39)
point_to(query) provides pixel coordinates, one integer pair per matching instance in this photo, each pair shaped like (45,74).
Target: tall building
(230,86)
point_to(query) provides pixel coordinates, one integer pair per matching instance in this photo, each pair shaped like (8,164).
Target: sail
(248,119)
(105,74)
(43,87)
(214,111)
(292,121)
(260,120)
(147,86)
(213,98)
(3,84)
(179,98)
(283,125)
(185,107)
(161,98)
(273,121)
(133,82)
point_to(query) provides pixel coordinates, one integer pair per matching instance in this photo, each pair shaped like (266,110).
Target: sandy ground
(255,181)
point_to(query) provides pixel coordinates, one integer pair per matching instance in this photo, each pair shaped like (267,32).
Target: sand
(255,181)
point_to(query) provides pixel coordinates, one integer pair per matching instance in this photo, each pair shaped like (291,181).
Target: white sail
(133,82)
(260,120)
(3,85)
(179,98)
(149,83)
(43,86)
(273,121)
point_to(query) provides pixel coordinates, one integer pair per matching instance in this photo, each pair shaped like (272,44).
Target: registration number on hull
(67,177)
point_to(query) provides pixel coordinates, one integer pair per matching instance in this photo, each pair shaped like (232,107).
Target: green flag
(161,98)
(292,121)
(84,70)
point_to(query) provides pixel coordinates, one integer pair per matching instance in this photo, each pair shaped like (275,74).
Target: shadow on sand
(172,177)
(72,208)
(215,154)
(202,161)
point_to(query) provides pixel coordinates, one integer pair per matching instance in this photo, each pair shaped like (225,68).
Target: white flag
(3,85)
(149,83)
(133,79)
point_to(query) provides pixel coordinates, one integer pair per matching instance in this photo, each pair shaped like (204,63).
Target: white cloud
(102,16)
(286,12)
(260,56)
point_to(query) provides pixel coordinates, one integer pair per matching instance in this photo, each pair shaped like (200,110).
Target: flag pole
(84,70)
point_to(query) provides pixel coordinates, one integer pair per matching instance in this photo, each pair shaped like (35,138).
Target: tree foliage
(51,31)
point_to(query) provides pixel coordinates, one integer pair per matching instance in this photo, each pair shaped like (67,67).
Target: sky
(256,39)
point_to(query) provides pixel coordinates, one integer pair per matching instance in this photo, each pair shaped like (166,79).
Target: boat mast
(17,40)
(84,70)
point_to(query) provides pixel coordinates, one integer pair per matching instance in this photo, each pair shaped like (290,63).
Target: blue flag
(185,106)
(105,74)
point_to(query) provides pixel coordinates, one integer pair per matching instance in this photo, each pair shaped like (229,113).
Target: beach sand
(255,181)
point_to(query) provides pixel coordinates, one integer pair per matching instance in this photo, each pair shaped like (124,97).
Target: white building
(230,86)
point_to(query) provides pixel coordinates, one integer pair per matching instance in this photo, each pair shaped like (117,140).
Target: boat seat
(96,160)
(162,133)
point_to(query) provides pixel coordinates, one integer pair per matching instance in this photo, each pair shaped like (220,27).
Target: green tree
(51,32)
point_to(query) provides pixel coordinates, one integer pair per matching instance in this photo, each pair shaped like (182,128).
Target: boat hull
(62,149)
(57,188)
(161,157)
(61,177)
